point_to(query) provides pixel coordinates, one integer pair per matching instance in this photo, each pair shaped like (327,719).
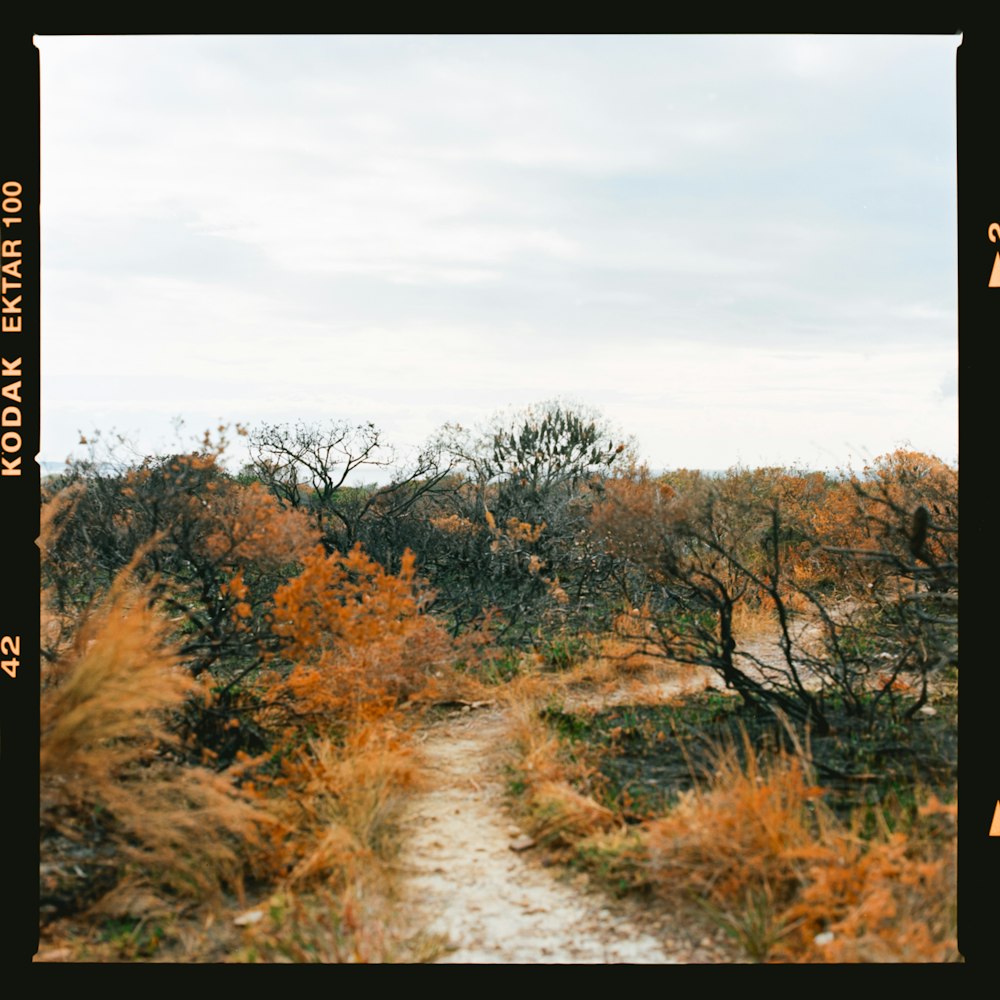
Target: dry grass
(104,752)
(553,808)
(103,699)
(561,815)
(754,850)
(754,620)
(338,805)
(331,852)
(733,846)
(324,925)
(762,855)
(535,747)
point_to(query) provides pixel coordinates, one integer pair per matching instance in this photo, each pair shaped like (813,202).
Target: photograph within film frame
(453,276)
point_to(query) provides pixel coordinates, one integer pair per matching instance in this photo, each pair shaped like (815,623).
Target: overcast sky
(740,249)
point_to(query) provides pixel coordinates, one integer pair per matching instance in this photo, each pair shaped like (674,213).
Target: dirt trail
(497,905)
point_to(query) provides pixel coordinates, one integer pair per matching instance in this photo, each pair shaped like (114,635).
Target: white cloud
(750,239)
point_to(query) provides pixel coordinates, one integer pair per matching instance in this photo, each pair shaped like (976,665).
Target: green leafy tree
(511,538)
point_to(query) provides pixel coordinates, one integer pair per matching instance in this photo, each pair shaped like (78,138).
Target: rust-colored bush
(359,638)
(763,856)
(891,899)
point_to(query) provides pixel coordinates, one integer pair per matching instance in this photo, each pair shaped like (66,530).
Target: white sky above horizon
(739,249)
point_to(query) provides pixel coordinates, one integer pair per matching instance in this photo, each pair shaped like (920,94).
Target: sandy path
(500,906)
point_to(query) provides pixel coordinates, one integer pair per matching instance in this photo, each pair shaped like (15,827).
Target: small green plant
(690,620)
(614,860)
(516,784)
(719,705)
(564,651)
(132,937)
(500,669)
(756,928)
(569,725)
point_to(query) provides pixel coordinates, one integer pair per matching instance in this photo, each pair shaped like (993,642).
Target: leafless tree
(309,467)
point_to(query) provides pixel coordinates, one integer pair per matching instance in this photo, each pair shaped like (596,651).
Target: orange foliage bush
(359,637)
(246,525)
(869,511)
(198,508)
(770,863)
(891,900)
(634,507)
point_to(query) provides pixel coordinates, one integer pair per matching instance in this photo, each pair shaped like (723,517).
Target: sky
(738,249)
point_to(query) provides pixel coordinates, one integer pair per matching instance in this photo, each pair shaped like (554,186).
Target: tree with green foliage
(511,539)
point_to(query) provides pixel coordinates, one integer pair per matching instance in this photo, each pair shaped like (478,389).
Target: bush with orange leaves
(891,899)
(870,513)
(766,860)
(359,639)
(214,548)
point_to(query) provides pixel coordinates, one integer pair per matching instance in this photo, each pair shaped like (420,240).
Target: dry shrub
(360,638)
(755,618)
(888,900)
(741,831)
(763,856)
(634,505)
(554,810)
(104,752)
(628,644)
(245,525)
(563,815)
(534,746)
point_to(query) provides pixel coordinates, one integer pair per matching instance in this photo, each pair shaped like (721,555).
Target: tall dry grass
(338,805)
(761,854)
(332,854)
(105,753)
(555,802)
(107,772)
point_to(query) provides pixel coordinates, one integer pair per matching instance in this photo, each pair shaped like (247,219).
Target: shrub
(764,858)
(359,639)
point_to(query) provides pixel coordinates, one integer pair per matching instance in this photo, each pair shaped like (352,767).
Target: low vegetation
(741,822)
(236,666)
